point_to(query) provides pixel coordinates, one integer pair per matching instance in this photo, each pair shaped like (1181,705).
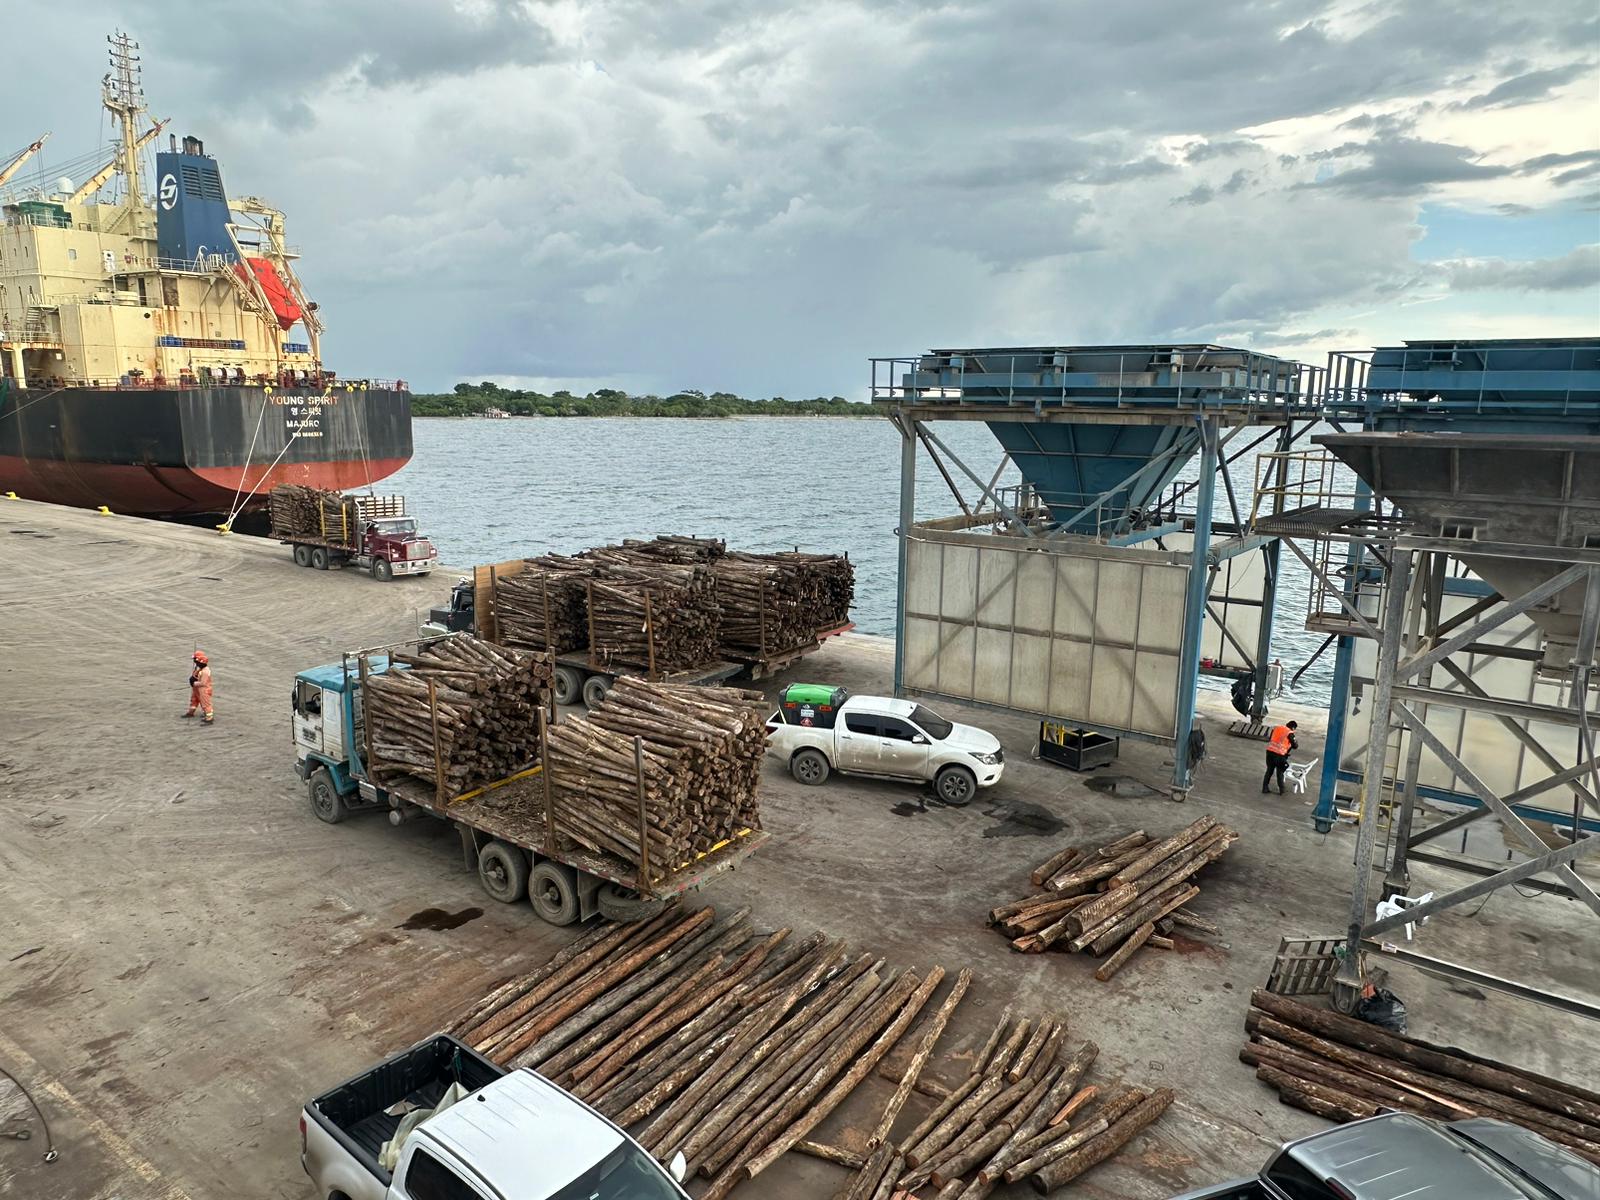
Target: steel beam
(1482,979)
(1425,609)
(1514,825)
(1515,710)
(908,515)
(988,492)
(1194,608)
(1473,866)
(1511,608)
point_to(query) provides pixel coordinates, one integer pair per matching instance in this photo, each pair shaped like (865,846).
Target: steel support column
(1347,984)
(1271,553)
(908,515)
(1425,624)
(1194,611)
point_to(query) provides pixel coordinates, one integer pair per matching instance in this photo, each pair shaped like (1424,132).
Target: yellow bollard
(225,528)
(106,512)
(12,496)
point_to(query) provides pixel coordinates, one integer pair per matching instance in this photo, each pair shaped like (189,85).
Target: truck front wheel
(319,558)
(553,889)
(503,871)
(569,685)
(955,786)
(302,556)
(382,570)
(810,767)
(326,802)
(594,690)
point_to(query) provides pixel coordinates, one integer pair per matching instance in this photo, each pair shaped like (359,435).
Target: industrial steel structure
(1100,588)
(1452,528)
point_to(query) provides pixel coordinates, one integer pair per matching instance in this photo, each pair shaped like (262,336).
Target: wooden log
(1057,862)
(833,1154)
(1114,964)
(919,1059)
(1074,1164)
(1291,1088)
(1071,1108)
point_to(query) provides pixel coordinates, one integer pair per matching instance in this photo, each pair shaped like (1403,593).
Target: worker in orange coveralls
(200,687)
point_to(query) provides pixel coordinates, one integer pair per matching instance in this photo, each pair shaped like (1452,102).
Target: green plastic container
(811,704)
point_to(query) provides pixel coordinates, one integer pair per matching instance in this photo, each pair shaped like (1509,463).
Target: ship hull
(161,452)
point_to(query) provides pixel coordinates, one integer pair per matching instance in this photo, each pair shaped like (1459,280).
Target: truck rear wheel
(955,786)
(326,802)
(319,558)
(302,556)
(503,871)
(622,906)
(568,685)
(382,570)
(810,767)
(553,889)
(594,690)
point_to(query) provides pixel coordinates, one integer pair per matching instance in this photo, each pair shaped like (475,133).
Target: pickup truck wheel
(594,690)
(326,802)
(319,558)
(955,786)
(503,871)
(553,889)
(810,767)
(382,570)
(624,907)
(568,685)
(302,556)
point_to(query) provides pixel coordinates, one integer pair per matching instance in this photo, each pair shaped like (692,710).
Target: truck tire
(810,767)
(302,556)
(319,558)
(594,690)
(623,906)
(568,685)
(326,803)
(503,871)
(956,786)
(553,889)
(382,570)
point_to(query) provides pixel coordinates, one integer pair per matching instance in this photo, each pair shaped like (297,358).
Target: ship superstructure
(173,310)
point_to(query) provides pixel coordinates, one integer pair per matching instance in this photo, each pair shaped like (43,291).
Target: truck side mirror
(294,697)
(918,740)
(678,1167)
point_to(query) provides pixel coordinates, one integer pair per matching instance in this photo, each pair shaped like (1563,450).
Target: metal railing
(1557,381)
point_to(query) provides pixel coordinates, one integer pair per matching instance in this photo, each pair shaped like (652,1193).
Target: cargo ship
(158,354)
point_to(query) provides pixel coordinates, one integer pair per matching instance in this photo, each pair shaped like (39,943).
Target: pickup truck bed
(354,1112)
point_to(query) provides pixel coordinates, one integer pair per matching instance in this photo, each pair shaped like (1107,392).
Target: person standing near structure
(1279,746)
(200,687)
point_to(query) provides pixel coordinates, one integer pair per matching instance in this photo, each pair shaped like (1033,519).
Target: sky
(758,197)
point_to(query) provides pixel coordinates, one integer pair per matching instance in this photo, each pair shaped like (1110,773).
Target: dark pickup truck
(1400,1156)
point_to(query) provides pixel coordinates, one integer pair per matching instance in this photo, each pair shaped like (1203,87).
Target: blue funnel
(1094,478)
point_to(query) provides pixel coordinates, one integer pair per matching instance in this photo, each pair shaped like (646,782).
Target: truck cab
(326,714)
(396,542)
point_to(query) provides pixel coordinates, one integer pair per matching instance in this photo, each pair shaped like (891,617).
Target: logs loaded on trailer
(731,1046)
(657,774)
(1114,899)
(655,617)
(457,712)
(311,514)
(544,606)
(1345,1069)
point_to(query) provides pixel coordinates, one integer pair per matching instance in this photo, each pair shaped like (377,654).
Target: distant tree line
(474,399)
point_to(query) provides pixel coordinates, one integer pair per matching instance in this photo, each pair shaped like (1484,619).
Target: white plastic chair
(1296,774)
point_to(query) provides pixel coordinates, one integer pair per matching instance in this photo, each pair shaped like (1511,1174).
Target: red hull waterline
(179,491)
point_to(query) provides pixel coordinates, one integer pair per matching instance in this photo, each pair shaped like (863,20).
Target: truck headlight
(987,760)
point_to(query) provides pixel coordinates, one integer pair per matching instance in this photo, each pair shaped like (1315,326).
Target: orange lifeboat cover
(284,305)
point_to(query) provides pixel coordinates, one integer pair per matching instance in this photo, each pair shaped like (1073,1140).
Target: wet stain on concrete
(1019,818)
(1124,787)
(909,808)
(438,920)
(1471,993)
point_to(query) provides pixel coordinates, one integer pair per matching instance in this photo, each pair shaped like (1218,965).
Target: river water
(492,490)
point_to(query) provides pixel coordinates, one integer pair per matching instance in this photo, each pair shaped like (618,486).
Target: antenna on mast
(122,92)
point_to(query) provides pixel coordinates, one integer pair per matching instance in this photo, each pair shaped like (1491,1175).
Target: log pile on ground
(1344,1069)
(701,749)
(704,1037)
(310,514)
(1116,898)
(545,606)
(481,723)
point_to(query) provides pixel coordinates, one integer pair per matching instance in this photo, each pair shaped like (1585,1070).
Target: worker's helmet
(200,657)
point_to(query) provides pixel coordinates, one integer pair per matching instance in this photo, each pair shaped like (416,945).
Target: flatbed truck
(510,834)
(371,533)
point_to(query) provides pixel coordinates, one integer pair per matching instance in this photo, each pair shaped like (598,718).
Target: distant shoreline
(767,416)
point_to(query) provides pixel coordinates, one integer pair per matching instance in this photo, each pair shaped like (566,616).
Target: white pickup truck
(819,729)
(504,1135)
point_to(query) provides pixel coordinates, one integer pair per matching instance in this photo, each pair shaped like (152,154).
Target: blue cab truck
(502,826)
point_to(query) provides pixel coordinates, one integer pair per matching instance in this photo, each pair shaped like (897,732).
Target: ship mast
(122,93)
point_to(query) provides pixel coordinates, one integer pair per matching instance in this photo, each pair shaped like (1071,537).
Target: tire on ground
(503,871)
(955,785)
(809,766)
(623,906)
(553,891)
(326,803)
(568,685)
(319,558)
(382,570)
(302,556)
(594,690)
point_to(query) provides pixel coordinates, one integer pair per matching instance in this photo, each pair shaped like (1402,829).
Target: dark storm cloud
(1526,88)
(1576,270)
(1407,167)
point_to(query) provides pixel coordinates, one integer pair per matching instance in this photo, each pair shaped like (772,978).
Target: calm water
(492,490)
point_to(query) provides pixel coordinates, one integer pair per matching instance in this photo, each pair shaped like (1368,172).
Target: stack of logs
(479,723)
(699,749)
(1116,898)
(832,580)
(731,1047)
(544,607)
(310,514)
(659,616)
(1344,1069)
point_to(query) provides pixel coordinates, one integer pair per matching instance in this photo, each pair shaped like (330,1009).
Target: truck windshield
(627,1173)
(931,723)
(396,528)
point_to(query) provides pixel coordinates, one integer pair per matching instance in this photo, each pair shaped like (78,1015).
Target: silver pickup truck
(1399,1155)
(439,1122)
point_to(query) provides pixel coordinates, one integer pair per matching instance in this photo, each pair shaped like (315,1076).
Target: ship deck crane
(278,251)
(16,164)
(98,180)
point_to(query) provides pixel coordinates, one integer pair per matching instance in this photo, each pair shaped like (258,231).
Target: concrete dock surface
(187,954)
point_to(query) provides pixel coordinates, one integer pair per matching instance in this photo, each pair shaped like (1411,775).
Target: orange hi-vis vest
(1279,742)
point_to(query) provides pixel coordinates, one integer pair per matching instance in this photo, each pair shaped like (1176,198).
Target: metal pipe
(908,515)
(1194,608)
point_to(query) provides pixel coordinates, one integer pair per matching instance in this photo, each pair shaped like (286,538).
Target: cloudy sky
(758,196)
